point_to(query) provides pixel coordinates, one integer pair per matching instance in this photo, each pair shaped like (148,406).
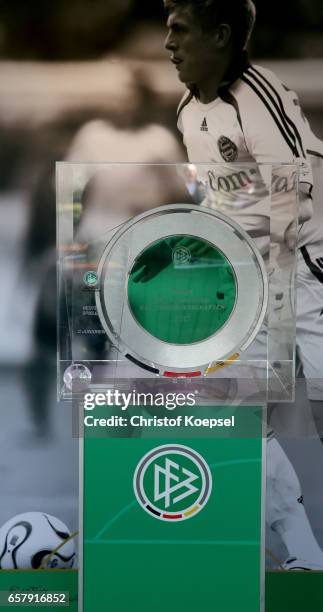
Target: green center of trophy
(181,289)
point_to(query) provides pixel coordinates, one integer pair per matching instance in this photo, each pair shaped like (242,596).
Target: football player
(235,112)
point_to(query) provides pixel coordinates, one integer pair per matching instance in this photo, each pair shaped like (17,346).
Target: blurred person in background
(108,200)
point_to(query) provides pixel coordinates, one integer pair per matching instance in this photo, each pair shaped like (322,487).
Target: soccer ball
(35,540)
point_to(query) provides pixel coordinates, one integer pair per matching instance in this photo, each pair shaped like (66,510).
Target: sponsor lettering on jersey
(242,179)
(284,184)
(228,149)
(230,182)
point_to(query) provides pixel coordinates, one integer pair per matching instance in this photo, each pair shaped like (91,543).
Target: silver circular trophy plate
(181,288)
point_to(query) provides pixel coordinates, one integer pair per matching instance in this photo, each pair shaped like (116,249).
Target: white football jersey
(253,121)
(311,233)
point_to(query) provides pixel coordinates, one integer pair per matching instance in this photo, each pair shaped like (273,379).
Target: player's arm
(274,136)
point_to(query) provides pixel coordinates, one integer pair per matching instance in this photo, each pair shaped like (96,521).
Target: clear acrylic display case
(176,277)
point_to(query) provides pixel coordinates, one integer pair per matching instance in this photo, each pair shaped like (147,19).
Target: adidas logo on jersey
(204,127)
